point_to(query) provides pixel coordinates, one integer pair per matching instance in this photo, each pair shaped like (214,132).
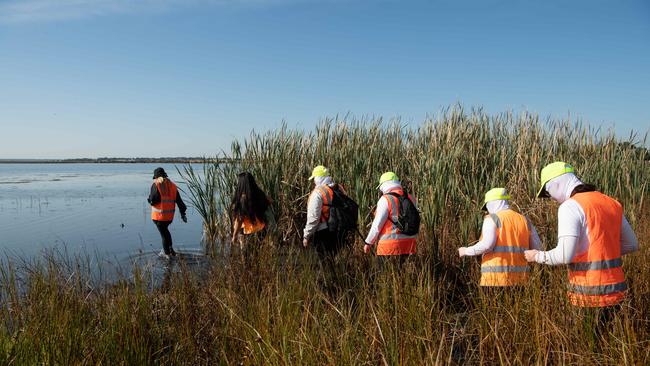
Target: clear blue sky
(88,78)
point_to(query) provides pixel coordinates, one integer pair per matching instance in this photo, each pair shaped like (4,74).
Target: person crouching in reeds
(250,209)
(505,235)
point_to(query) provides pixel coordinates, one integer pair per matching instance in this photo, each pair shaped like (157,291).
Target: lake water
(97,209)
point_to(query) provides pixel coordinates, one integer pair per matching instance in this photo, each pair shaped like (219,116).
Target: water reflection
(84,206)
(160,270)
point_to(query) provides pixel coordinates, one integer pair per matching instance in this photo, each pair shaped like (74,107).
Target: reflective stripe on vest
(327,195)
(596,277)
(592,266)
(165,209)
(508,249)
(599,290)
(391,240)
(504,269)
(506,265)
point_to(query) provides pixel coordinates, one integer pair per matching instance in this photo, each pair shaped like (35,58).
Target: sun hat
(388,176)
(494,194)
(551,171)
(319,171)
(159,172)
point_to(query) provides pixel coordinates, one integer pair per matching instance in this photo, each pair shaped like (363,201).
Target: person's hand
(366,248)
(184,218)
(305,242)
(462,251)
(531,254)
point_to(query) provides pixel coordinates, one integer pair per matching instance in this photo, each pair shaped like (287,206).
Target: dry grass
(270,307)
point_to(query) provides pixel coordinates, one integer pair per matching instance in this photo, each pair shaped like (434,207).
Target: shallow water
(95,209)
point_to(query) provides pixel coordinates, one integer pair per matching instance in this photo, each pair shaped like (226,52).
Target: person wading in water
(163,198)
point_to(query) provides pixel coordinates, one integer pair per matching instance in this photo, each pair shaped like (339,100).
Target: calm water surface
(99,209)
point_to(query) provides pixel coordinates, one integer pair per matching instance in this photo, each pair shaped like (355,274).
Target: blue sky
(89,78)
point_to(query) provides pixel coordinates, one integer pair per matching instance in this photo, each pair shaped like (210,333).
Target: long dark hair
(249,200)
(582,188)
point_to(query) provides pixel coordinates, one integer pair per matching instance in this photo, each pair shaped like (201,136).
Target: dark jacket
(154,198)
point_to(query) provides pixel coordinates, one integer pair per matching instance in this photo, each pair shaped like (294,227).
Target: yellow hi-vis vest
(506,265)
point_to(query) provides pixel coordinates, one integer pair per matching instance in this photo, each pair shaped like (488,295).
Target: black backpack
(343,214)
(408,220)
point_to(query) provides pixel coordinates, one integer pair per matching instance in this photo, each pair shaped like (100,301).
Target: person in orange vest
(250,208)
(505,235)
(384,231)
(163,198)
(320,198)
(593,235)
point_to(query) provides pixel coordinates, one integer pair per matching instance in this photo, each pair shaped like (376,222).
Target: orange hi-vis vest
(327,194)
(596,277)
(164,210)
(391,240)
(506,264)
(249,227)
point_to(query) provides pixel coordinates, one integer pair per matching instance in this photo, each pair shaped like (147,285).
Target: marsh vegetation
(268,305)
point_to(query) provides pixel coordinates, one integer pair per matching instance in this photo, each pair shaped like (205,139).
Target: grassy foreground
(271,306)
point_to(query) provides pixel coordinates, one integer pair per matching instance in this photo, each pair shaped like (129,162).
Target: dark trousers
(163,229)
(327,245)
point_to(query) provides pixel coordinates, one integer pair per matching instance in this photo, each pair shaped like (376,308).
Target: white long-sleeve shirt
(381,212)
(573,238)
(314,208)
(489,238)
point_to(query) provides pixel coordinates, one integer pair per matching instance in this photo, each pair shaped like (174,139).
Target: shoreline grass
(269,306)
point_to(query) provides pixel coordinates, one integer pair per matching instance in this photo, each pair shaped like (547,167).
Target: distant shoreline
(177,160)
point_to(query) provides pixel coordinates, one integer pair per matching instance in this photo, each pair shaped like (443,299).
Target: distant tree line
(106,160)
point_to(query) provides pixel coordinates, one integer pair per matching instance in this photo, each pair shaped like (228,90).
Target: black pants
(327,245)
(163,229)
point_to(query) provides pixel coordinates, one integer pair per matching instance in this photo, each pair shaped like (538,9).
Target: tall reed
(269,305)
(448,161)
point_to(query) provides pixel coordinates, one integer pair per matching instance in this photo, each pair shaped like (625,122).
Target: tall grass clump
(271,304)
(203,191)
(448,161)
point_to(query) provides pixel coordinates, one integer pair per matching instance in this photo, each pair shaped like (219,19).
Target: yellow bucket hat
(388,176)
(319,171)
(551,171)
(494,194)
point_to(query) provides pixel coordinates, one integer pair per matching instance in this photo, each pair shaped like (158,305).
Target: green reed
(448,161)
(270,305)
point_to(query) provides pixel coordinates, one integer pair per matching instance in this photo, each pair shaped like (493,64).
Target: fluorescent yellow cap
(319,171)
(495,194)
(388,176)
(551,171)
